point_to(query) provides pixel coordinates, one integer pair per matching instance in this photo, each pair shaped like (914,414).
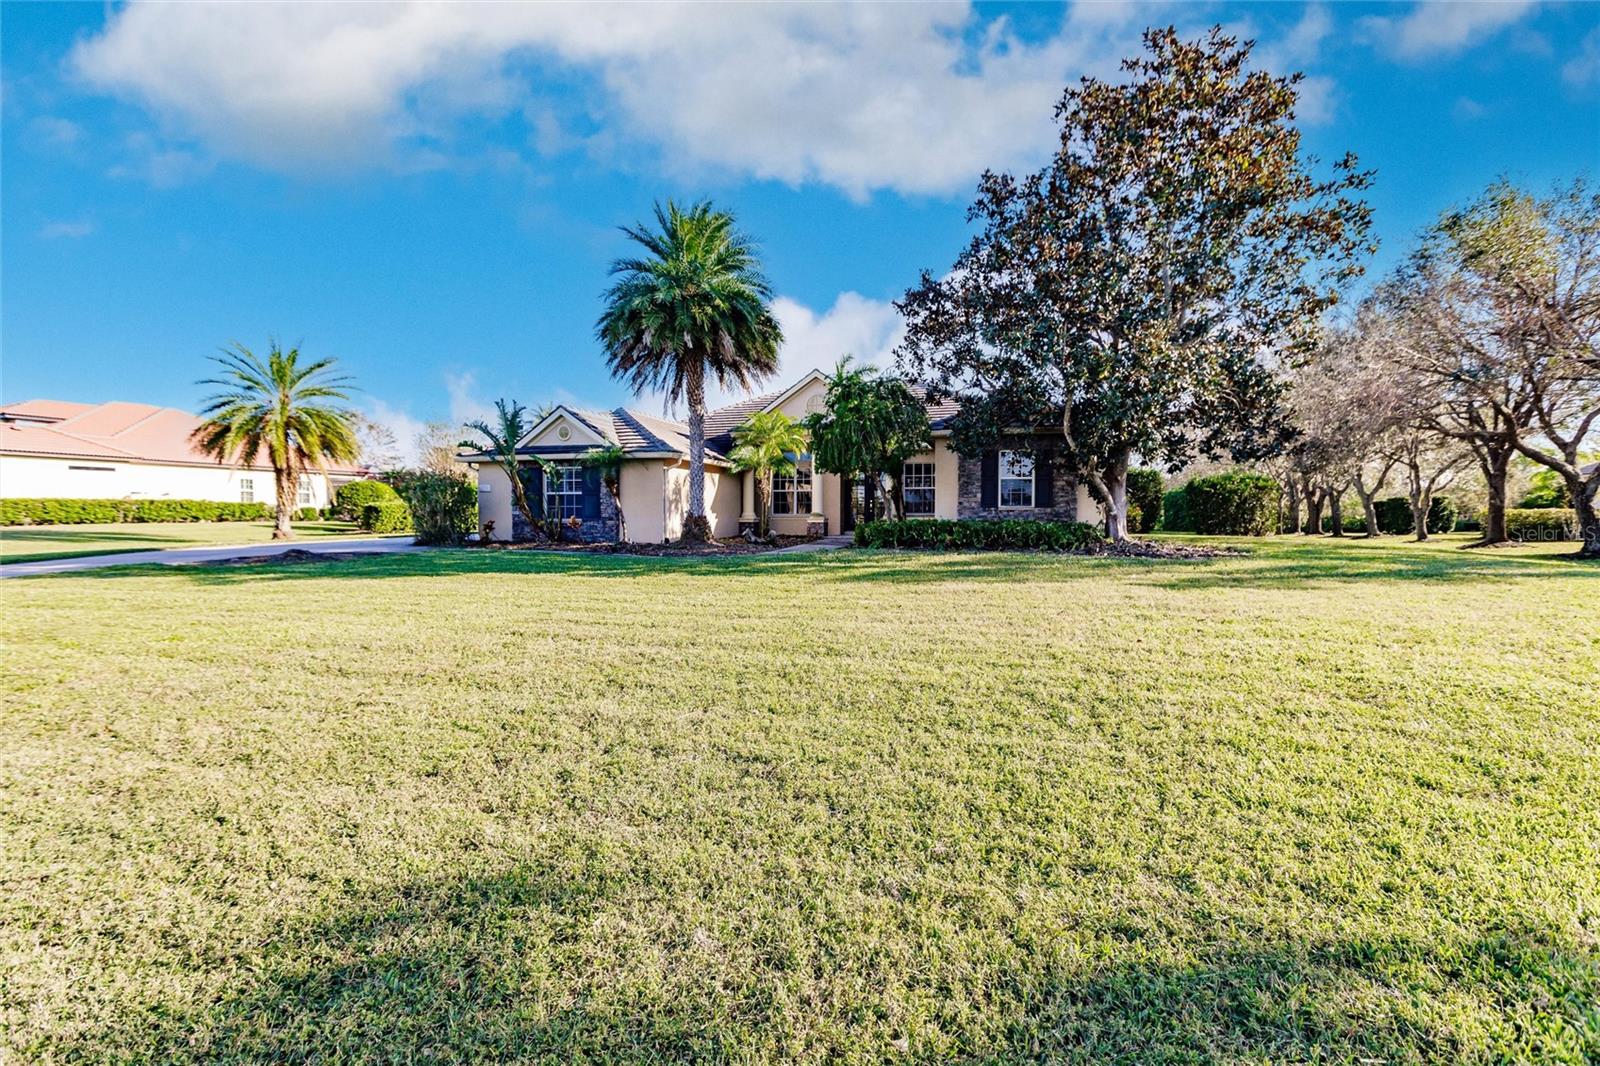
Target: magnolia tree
(1139,290)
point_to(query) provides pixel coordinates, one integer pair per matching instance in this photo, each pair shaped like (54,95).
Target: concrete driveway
(189,556)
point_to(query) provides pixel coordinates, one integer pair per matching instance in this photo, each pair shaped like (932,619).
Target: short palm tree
(501,440)
(279,406)
(608,460)
(763,445)
(695,305)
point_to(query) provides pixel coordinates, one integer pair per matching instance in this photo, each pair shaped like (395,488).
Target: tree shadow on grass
(495,969)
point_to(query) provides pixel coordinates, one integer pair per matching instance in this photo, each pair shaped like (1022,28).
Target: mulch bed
(293,555)
(724,547)
(1149,549)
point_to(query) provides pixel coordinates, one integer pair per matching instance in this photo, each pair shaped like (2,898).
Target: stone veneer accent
(594,530)
(969,499)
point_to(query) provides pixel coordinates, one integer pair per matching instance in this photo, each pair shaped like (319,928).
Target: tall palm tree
(278,405)
(763,445)
(500,440)
(695,305)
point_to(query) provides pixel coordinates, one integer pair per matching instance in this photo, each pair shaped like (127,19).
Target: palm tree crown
(279,406)
(697,301)
(764,445)
(695,305)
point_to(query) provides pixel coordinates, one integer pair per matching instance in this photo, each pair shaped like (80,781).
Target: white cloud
(55,131)
(913,97)
(465,405)
(1584,68)
(1297,50)
(816,340)
(73,230)
(1442,28)
(401,423)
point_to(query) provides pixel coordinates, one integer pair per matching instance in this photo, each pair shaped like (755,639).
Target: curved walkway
(189,556)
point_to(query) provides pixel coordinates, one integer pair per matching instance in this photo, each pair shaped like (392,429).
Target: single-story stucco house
(1018,482)
(55,449)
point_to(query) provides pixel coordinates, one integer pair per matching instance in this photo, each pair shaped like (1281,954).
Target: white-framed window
(563,491)
(1016,480)
(916,488)
(791,493)
(247,490)
(302,497)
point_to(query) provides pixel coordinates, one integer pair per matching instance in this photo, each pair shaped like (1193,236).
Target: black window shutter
(533,486)
(1044,482)
(591,492)
(989,480)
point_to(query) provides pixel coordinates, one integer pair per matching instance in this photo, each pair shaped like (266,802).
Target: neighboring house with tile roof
(61,450)
(655,478)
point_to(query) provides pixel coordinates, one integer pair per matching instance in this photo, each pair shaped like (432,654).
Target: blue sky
(431,193)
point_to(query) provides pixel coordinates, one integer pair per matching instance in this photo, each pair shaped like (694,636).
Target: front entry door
(857,499)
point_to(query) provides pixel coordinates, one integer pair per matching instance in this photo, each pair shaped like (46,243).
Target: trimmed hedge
(386,518)
(1541,523)
(1175,512)
(1000,534)
(39,512)
(1237,503)
(352,496)
(1145,485)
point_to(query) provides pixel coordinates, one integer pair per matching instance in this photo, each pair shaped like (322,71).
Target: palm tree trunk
(285,484)
(614,486)
(764,502)
(695,527)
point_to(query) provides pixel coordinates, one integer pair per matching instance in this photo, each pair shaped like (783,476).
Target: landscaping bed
(717,547)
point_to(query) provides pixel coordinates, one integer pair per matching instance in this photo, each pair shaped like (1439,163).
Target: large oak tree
(1142,289)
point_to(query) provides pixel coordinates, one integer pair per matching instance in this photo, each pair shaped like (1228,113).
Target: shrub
(1542,523)
(386,518)
(1394,515)
(1145,485)
(1546,489)
(443,508)
(28,512)
(1442,515)
(1237,503)
(1136,518)
(1175,511)
(352,496)
(977,535)
(307,514)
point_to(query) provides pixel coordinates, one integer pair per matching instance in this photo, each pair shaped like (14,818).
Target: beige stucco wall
(495,502)
(578,434)
(643,503)
(36,477)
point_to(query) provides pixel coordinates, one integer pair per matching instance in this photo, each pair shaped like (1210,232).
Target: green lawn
(19,544)
(1328,802)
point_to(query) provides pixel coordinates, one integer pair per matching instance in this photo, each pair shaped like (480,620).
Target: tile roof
(117,431)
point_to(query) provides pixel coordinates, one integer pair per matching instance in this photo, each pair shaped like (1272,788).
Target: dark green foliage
(350,498)
(1175,511)
(978,535)
(1442,515)
(1394,515)
(1353,523)
(1145,487)
(1237,503)
(386,518)
(30,512)
(442,508)
(1542,523)
(307,514)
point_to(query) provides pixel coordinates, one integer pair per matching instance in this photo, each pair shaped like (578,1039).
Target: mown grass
(1323,803)
(20,544)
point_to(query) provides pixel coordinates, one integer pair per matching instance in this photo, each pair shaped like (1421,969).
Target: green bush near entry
(1145,485)
(351,497)
(1016,534)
